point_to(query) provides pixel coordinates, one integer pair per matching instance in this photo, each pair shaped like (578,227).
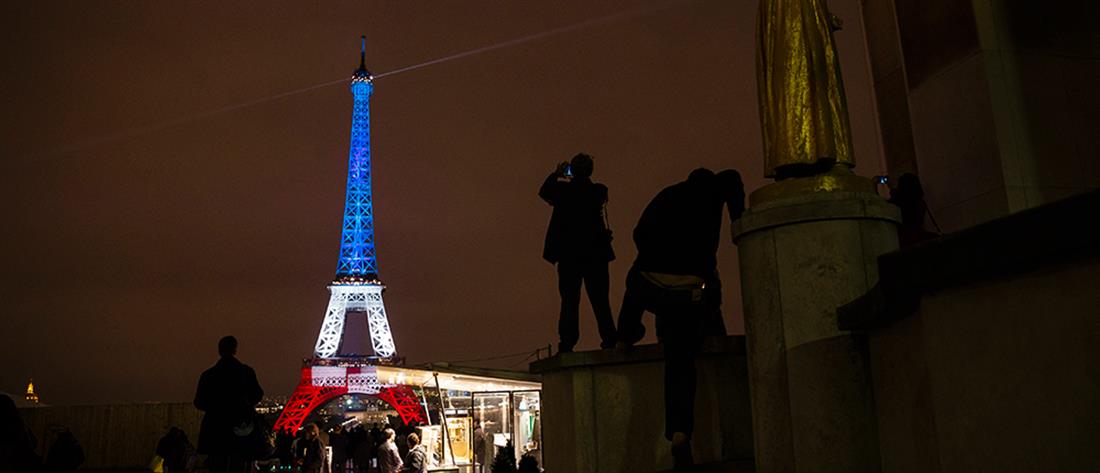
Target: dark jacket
(389,459)
(228,393)
(66,454)
(339,444)
(679,231)
(312,454)
(17,443)
(577,231)
(176,450)
(416,461)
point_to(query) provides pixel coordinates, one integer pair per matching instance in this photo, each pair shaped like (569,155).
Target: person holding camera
(579,243)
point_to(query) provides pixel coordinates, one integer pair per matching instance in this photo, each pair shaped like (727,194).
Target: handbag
(251,437)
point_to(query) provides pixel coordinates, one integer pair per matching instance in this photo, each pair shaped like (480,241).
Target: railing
(354,360)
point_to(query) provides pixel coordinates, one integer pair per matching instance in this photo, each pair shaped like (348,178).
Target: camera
(881,179)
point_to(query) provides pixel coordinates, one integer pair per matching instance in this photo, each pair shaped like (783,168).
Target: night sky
(139,228)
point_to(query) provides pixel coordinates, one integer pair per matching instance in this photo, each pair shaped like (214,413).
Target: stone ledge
(1062,232)
(712,346)
(815,207)
(732,466)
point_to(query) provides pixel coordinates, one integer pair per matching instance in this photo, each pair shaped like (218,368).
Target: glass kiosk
(505,405)
(508,416)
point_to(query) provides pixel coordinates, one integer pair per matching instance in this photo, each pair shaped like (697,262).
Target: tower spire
(362,74)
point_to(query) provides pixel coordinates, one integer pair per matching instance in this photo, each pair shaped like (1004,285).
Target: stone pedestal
(807,246)
(603,410)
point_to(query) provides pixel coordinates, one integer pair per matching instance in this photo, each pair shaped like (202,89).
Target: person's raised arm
(553,186)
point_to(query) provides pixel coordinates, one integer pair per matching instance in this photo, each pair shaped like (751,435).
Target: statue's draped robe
(803,113)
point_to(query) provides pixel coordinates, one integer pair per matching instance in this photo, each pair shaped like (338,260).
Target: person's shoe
(681,453)
(606,345)
(565,349)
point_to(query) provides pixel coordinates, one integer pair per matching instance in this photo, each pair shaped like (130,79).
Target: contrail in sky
(517,41)
(145,129)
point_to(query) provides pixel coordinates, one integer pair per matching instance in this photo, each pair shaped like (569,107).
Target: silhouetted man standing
(676,277)
(227,394)
(579,242)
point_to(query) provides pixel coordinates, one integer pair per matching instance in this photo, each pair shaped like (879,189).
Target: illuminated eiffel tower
(357,286)
(355,290)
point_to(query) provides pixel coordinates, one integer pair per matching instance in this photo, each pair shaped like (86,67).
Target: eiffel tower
(357,286)
(356,290)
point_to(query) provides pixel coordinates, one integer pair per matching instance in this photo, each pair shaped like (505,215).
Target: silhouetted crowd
(19,447)
(355,448)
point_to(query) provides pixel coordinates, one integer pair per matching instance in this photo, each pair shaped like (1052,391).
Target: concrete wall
(992,102)
(603,411)
(1003,375)
(121,437)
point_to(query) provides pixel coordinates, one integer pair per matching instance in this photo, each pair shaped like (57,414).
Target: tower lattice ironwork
(356,289)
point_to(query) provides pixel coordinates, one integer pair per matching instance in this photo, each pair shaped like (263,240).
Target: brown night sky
(130,247)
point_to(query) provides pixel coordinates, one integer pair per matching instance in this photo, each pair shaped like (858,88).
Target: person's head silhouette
(227,346)
(703,182)
(582,165)
(312,431)
(908,188)
(701,176)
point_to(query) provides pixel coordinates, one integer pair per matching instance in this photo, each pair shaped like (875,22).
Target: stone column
(806,246)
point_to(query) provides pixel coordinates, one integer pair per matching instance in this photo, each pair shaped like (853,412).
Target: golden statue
(803,113)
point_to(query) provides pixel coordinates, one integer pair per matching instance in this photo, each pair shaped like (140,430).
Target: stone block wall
(119,437)
(603,411)
(983,346)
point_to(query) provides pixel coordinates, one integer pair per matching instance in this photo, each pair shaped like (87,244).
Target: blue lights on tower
(357,258)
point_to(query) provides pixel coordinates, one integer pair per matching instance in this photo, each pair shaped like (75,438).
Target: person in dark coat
(227,393)
(176,450)
(678,233)
(284,450)
(17,444)
(579,243)
(361,448)
(480,458)
(312,450)
(65,455)
(338,441)
(675,276)
(389,458)
(416,461)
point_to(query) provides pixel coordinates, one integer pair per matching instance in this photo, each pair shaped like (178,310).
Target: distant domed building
(31,397)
